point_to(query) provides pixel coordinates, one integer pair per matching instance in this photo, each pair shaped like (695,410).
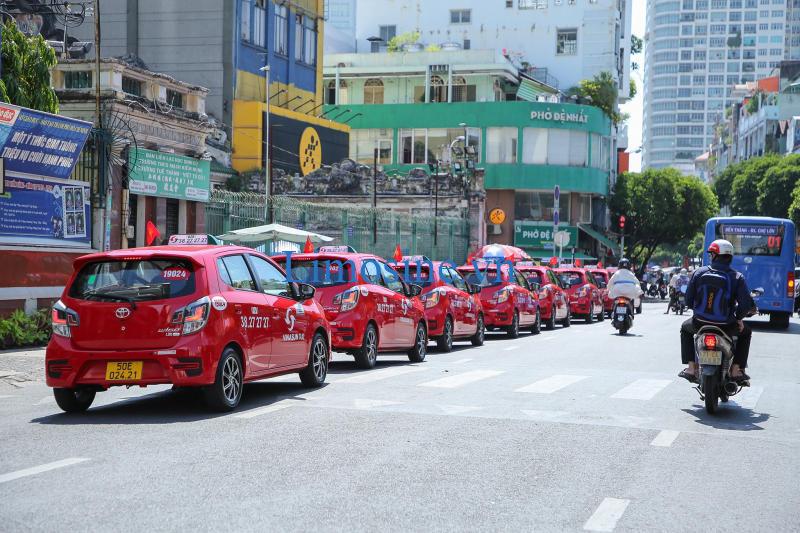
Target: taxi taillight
(346,300)
(193,317)
(63,319)
(431,299)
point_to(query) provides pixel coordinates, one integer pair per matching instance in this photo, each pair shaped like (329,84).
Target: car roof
(183,252)
(332,256)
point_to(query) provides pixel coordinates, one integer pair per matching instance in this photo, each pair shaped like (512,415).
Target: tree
(723,183)
(794,209)
(776,187)
(396,43)
(634,89)
(662,207)
(603,92)
(744,186)
(637,44)
(26,70)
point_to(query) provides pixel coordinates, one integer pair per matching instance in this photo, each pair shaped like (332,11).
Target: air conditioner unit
(495,229)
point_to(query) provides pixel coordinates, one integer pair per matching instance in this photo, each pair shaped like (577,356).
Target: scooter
(623,315)
(652,290)
(679,299)
(662,290)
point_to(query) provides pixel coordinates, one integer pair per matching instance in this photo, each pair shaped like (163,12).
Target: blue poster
(39,204)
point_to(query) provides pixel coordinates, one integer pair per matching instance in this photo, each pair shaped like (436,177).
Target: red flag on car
(398,253)
(309,247)
(578,263)
(151,233)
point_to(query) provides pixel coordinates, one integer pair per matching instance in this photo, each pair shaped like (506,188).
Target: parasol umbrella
(273,232)
(504,252)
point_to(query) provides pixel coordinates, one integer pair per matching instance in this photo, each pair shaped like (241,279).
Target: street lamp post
(266,147)
(434,167)
(375,196)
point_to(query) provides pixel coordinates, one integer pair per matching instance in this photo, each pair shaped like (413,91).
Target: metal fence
(352,226)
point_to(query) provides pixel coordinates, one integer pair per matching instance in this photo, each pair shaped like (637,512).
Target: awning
(602,239)
(530,89)
(567,255)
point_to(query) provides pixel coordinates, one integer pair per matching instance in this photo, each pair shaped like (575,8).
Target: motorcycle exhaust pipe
(731,388)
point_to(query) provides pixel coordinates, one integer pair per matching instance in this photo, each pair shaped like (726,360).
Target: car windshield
(751,239)
(533,277)
(600,279)
(571,279)
(322,273)
(136,280)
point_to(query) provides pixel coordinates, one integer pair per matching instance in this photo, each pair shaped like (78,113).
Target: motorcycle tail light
(622,301)
(710,342)
(194,316)
(63,319)
(431,299)
(790,281)
(346,300)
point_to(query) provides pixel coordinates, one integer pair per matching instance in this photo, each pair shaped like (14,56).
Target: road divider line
(642,389)
(46,400)
(362,403)
(11,476)
(551,384)
(459,362)
(378,375)
(748,398)
(511,348)
(665,438)
(460,380)
(607,515)
(5,396)
(458,409)
(266,410)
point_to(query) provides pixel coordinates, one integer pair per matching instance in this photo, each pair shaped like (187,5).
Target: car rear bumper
(435,317)
(347,335)
(498,316)
(580,307)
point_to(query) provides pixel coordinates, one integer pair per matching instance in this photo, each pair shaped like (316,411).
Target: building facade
(696,52)
(523,149)
(563,41)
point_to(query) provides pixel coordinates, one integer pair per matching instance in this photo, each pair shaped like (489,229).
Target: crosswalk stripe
(361,403)
(665,438)
(607,515)
(11,476)
(642,389)
(551,384)
(459,380)
(377,375)
(265,410)
(5,396)
(458,409)
(748,398)
(511,348)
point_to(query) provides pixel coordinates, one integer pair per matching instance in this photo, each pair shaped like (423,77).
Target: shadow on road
(729,416)
(760,325)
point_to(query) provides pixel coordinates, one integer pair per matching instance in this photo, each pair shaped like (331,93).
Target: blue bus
(764,251)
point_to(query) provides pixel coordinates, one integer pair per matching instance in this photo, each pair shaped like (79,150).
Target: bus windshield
(753,239)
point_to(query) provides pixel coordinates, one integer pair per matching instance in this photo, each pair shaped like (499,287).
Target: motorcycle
(679,299)
(714,351)
(623,315)
(652,290)
(662,291)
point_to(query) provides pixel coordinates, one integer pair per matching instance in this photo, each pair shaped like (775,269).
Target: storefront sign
(540,234)
(560,116)
(169,175)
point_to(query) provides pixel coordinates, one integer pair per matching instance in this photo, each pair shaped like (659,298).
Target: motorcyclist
(624,283)
(719,296)
(678,279)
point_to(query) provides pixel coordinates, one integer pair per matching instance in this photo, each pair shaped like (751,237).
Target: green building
(417,109)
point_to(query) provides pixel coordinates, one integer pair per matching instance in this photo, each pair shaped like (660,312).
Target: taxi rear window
(319,273)
(571,279)
(135,280)
(533,277)
(423,278)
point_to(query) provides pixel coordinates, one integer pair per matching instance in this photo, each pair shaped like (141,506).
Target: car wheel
(367,355)
(226,391)
(314,374)
(419,351)
(590,317)
(513,329)
(551,322)
(480,334)
(74,400)
(445,342)
(602,316)
(537,326)
(568,320)
(639,309)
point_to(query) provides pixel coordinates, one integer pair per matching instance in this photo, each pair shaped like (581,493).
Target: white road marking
(665,438)
(551,384)
(458,409)
(544,415)
(748,398)
(371,404)
(46,400)
(459,380)
(377,375)
(606,516)
(6,396)
(511,348)
(642,389)
(11,476)
(459,362)
(265,410)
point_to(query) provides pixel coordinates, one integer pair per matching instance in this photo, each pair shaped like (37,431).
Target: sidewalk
(21,365)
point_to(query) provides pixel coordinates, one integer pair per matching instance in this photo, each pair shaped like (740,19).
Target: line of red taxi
(217,317)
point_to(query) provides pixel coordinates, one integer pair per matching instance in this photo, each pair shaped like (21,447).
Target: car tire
(590,317)
(567,322)
(639,309)
(602,316)
(513,329)
(74,400)
(420,350)
(314,374)
(367,355)
(226,391)
(480,334)
(537,325)
(445,342)
(550,324)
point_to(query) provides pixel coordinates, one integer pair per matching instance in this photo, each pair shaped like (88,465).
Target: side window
(445,275)
(520,279)
(369,270)
(458,281)
(391,279)
(238,273)
(272,281)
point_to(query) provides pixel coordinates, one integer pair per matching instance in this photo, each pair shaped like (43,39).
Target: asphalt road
(570,430)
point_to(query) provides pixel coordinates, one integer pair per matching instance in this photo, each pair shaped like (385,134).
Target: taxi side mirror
(412,291)
(473,289)
(535,286)
(302,291)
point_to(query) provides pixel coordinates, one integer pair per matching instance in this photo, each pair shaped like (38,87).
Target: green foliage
(637,44)
(744,181)
(794,209)
(26,70)
(723,183)
(663,208)
(20,330)
(775,188)
(603,91)
(634,89)
(433,48)
(396,43)
(753,103)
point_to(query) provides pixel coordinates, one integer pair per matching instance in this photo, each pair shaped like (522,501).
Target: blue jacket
(741,293)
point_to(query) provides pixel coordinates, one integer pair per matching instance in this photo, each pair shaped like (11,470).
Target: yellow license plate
(124,371)
(710,357)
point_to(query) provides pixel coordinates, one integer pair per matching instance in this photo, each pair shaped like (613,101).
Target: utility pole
(375,196)
(266,145)
(436,206)
(98,120)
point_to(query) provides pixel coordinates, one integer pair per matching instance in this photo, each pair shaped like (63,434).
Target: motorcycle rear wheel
(711,394)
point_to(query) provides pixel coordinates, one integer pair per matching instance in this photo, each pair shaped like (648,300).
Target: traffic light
(622,222)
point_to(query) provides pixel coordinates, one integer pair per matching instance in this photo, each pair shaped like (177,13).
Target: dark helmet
(625,263)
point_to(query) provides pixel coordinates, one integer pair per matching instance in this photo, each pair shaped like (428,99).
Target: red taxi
(193,316)
(601,277)
(507,300)
(452,306)
(585,298)
(553,301)
(370,308)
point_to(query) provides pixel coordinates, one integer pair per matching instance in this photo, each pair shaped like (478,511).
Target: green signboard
(540,235)
(169,175)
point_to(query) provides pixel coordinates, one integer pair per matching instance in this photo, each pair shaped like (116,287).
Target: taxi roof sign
(336,250)
(192,240)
